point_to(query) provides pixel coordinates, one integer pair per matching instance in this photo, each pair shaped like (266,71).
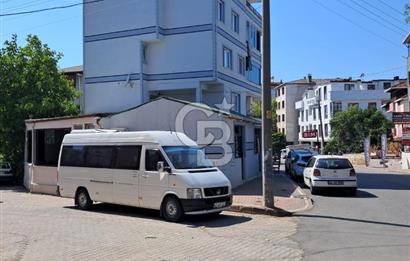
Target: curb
(277,212)
(308,200)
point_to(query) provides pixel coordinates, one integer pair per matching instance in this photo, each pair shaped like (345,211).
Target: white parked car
(6,173)
(159,170)
(330,172)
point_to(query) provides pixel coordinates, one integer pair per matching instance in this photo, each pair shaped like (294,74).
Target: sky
(326,38)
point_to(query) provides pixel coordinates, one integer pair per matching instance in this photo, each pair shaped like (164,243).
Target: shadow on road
(345,194)
(352,220)
(222,220)
(12,188)
(384,181)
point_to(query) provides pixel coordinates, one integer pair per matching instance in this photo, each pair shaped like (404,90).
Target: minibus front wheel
(172,209)
(82,199)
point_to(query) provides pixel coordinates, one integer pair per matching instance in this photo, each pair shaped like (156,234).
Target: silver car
(296,162)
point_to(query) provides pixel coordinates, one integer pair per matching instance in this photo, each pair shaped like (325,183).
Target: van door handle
(135,175)
(144,175)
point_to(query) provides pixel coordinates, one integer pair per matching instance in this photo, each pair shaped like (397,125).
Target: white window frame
(227,63)
(241,65)
(221,11)
(235,21)
(236,101)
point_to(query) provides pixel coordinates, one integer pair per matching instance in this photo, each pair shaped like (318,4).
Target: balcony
(305,103)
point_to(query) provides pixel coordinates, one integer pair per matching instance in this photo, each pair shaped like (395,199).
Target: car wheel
(172,209)
(82,199)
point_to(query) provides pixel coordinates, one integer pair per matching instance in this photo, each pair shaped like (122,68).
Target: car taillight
(316,173)
(352,173)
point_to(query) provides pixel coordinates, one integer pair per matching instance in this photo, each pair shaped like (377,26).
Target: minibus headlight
(194,193)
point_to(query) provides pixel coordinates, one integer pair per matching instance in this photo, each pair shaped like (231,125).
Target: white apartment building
(286,96)
(337,95)
(200,51)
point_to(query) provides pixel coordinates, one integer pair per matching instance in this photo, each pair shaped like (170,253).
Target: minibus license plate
(219,204)
(335,182)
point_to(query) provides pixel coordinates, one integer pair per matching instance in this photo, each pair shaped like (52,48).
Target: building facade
(76,75)
(406,42)
(286,96)
(398,103)
(199,51)
(334,96)
(137,51)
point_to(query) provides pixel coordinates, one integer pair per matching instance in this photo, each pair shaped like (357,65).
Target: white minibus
(160,170)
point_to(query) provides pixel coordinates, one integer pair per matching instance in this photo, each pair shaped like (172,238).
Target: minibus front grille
(218,191)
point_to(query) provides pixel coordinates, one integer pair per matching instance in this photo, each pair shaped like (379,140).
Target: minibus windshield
(184,157)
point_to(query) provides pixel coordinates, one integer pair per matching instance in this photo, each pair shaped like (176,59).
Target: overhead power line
(384,12)
(356,24)
(370,17)
(391,7)
(23,5)
(100,10)
(387,70)
(49,9)
(380,17)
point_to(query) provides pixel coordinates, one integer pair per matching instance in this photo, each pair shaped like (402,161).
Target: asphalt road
(374,225)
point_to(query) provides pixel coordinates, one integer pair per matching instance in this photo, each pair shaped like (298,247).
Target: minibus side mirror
(160,166)
(168,169)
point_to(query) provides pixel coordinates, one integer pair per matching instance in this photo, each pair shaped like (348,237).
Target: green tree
(30,87)
(278,142)
(256,111)
(351,127)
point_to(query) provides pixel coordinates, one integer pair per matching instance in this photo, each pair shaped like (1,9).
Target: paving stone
(39,227)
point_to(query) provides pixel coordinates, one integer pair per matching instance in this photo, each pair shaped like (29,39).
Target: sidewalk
(288,197)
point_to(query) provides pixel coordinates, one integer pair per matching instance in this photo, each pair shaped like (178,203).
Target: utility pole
(267,169)
(322,141)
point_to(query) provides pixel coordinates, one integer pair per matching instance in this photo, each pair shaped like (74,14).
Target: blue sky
(306,37)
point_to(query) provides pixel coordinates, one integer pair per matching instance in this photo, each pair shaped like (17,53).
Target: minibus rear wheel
(172,209)
(82,199)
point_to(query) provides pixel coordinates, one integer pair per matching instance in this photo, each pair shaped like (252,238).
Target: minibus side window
(99,156)
(73,156)
(152,157)
(127,157)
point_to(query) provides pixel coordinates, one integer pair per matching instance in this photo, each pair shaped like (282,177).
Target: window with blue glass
(254,75)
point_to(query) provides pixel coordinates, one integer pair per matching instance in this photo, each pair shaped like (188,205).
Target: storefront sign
(401,117)
(310,134)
